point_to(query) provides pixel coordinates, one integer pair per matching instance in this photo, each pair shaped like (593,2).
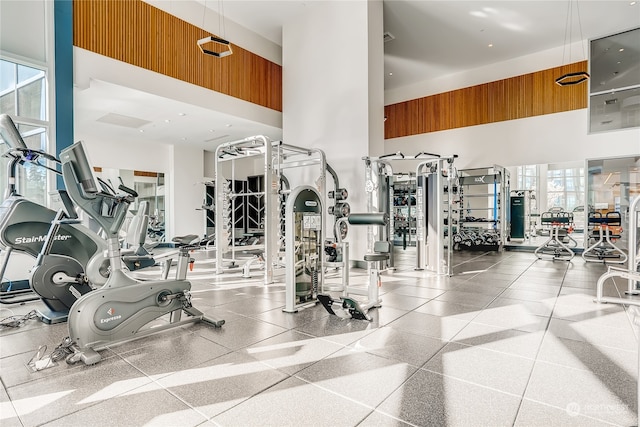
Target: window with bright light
(23,95)
(565,188)
(527,177)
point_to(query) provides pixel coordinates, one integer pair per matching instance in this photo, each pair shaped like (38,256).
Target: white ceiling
(106,111)
(432,39)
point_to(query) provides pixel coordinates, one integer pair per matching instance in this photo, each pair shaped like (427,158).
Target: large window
(565,188)
(23,95)
(527,177)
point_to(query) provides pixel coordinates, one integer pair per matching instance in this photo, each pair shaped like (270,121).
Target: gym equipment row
(122,307)
(70,258)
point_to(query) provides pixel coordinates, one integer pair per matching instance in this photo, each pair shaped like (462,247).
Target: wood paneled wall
(137,33)
(513,98)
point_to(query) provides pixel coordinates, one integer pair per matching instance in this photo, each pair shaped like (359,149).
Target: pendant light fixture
(215,46)
(574,78)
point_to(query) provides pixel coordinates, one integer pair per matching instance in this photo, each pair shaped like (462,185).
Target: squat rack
(277,156)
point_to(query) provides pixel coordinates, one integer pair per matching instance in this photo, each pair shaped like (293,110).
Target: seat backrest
(137,230)
(382,247)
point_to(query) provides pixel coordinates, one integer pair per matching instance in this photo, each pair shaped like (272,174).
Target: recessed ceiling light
(211,130)
(391,74)
(490,45)
(632,3)
(182,114)
(621,49)
(167,121)
(183,139)
(141,130)
(619,62)
(228,125)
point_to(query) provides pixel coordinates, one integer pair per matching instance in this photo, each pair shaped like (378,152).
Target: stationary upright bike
(119,310)
(69,256)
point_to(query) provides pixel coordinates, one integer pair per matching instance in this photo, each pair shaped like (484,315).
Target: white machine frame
(433,248)
(277,157)
(631,273)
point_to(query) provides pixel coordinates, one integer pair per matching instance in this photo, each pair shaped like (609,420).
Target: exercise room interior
(319,213)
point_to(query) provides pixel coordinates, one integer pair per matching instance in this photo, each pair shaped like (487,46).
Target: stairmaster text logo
(34,239)
(112,313)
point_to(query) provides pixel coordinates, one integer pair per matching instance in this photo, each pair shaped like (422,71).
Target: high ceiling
(434,38)
(431,39)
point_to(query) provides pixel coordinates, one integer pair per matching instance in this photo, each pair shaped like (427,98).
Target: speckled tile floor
(508,340)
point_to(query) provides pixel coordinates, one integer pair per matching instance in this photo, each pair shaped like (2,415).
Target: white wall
(124,155)
(186,193)
(551,138)
(23,29)
(329,94)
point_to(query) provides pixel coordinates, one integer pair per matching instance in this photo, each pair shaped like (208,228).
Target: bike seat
(184,240)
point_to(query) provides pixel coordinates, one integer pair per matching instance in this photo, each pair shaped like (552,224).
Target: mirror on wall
(548,188)
(612,184)
(587,190)
(150,187)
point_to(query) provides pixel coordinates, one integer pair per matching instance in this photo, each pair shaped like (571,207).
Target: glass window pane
(31,100)
(36,183)
(569,185)
(36,141)
(33,136)
(26,73)
(8,103)
(7,75)
(555,199)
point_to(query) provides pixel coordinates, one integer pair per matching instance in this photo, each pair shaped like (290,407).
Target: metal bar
(255,193)
(633,245)
(299,163)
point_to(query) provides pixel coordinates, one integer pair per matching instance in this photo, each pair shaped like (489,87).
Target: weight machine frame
(277,156)
(435,256)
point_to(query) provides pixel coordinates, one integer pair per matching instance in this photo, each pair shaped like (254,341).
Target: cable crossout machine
(436,197)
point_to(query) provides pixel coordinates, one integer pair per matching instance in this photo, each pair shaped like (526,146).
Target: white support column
(333,91)
(185,192)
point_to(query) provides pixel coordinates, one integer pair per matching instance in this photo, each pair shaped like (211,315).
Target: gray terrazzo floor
(508,340)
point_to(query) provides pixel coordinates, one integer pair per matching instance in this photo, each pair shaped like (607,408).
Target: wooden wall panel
(518,97)
(139,34)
